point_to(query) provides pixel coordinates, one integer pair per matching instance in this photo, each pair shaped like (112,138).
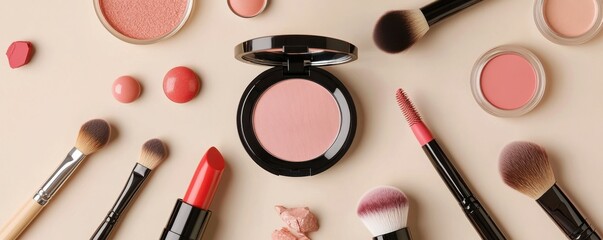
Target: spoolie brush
(525,167)
(475,212)
(153,153)
(93,136)
(398,30)
(384,211)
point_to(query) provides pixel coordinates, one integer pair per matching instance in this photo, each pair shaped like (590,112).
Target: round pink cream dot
(181,84)
(126,89)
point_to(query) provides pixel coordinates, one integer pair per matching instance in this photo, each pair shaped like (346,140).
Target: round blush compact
(296,119)
(568,22)
(143,21)
(247,8)
(508,81)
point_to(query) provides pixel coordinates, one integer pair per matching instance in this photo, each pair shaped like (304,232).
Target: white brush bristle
(383,210)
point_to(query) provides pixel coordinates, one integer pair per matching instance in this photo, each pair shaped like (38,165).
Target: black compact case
(296,57)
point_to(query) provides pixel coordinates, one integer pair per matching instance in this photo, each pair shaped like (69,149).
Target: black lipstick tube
(402,234)
(136,179)
(187,222)
(473,209)
(566,215)
(441,9)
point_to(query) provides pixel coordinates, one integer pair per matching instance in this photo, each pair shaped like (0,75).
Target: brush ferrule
(60,175)
(439,10)
(480,219)
(137,177)
(566,215)
(402,234)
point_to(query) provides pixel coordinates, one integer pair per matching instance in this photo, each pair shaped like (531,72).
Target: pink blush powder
(144,19)
(296,120)
(508,81)
(571,18)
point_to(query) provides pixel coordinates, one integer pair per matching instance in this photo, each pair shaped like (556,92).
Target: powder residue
(144,19)
(300,220)
(283,234)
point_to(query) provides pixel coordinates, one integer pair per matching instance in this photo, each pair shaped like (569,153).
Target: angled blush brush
(473,209)
(525,167)
(153,153)
(398,30)
(93,136)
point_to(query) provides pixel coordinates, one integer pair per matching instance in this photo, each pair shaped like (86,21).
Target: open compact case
(296,119)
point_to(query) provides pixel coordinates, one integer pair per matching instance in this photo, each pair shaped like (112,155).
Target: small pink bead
(181,84)
(126,89)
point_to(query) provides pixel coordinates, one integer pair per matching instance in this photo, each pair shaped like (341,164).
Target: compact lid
(277,50)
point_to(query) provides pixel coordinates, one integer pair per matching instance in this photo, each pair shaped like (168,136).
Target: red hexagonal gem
(19,53)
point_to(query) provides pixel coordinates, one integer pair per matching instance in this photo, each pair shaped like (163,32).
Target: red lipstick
(205,181)
(191,214)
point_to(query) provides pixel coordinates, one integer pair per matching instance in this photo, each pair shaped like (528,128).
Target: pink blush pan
(568,22)
(571,18)
(143,21)
(508,81)
(296,120)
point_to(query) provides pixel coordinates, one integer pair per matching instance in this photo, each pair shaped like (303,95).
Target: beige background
(69,80)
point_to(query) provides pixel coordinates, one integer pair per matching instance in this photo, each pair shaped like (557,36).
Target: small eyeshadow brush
(153,153)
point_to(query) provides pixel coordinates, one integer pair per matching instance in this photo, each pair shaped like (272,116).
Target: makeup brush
(153,153)
(93,135)
(384,211)
(473,209)
(398,30)
(525,167)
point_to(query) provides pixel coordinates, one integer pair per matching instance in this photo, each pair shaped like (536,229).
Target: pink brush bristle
(383,210)
(381,199)
(408,109)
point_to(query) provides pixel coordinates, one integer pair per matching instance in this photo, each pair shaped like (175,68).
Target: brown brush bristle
(153,153)
(398,30)
(93,136)
(408,109)
(525,167)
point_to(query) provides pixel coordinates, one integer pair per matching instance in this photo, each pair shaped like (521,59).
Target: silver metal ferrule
(52,185)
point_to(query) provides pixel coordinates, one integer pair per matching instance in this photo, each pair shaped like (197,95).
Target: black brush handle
(402,234)
(136,179)
(441,9)
(473,209)
(566,215)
